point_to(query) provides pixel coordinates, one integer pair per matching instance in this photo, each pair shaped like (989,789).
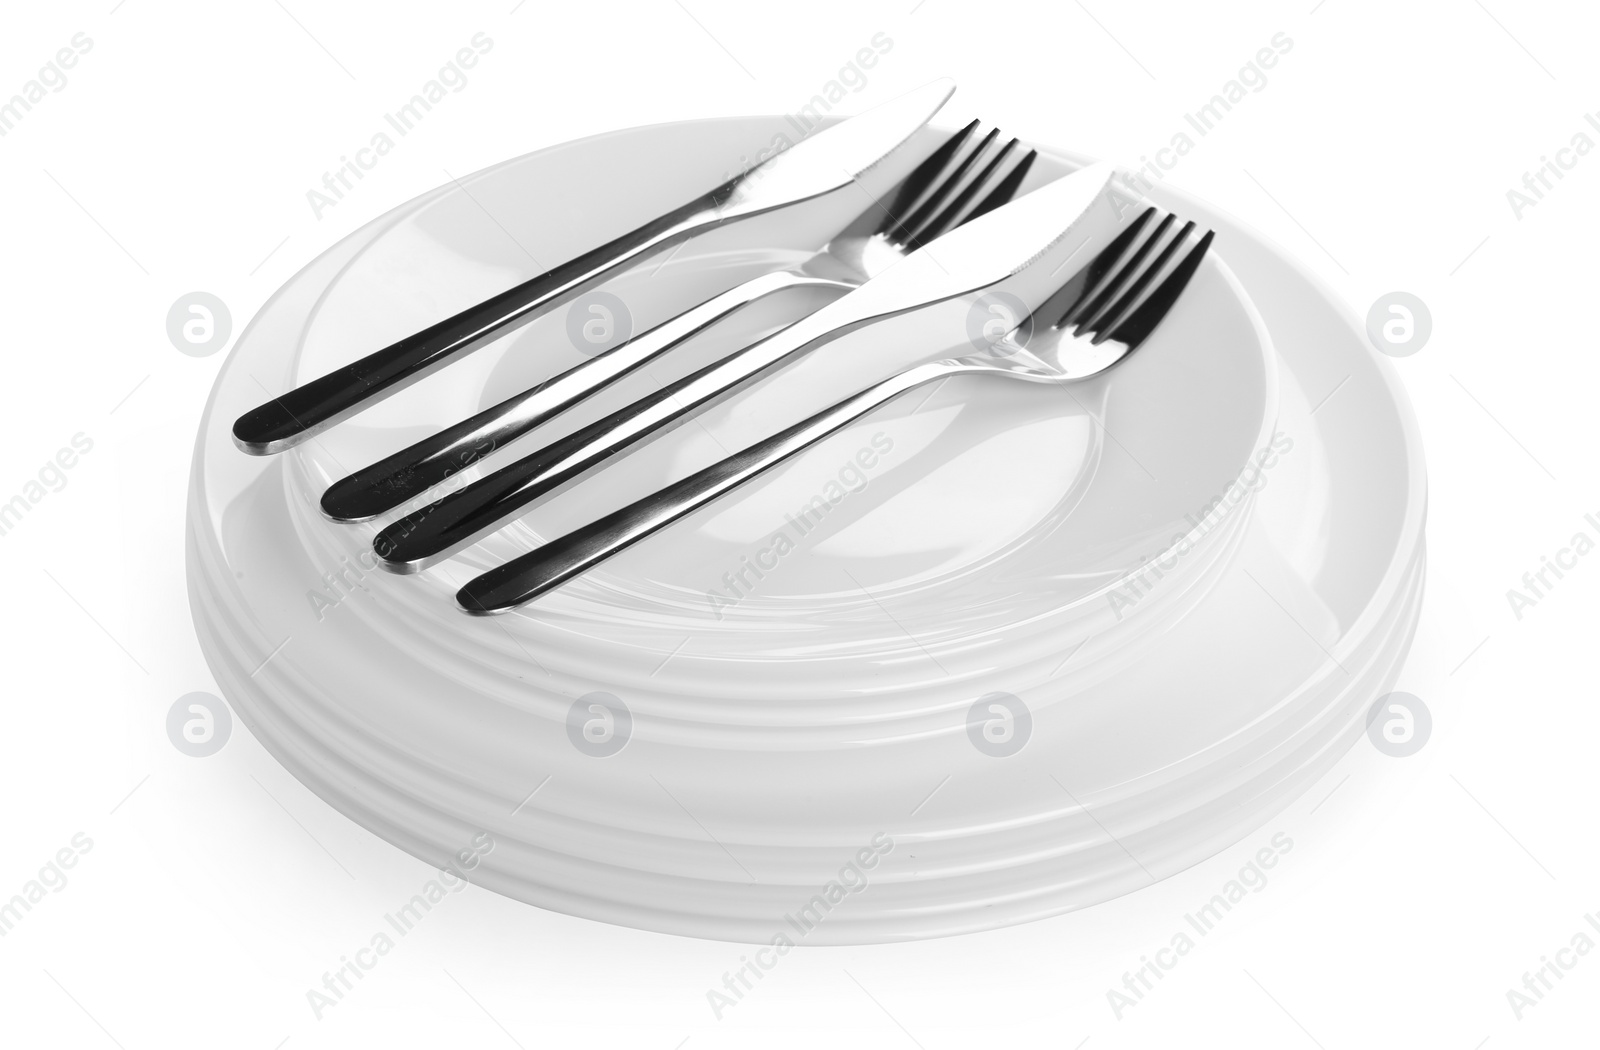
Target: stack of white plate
(989,654)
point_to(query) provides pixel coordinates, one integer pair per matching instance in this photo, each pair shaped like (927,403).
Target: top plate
(940,527)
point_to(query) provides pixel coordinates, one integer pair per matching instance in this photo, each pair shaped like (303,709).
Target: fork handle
(312,407)
(394,480)
(527,577)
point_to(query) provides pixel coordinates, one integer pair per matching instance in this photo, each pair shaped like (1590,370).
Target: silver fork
(965,178)
(1105,312)
(1020,244)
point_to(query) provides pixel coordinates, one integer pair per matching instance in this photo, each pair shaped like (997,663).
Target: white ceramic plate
(829,708)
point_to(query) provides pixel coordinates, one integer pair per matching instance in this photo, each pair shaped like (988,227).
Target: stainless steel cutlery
(968,176)
(1026,235)
(1096,268)
(1098,316)
(834,162)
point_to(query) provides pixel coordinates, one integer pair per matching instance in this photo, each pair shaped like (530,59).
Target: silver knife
(808,174)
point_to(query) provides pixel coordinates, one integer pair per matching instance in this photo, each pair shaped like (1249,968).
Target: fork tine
(1101,326)
(910,227)
(1114,282)
(953,216)
(915,188)
(1089,279)
(945,191)
(1138,325)
(1006,189)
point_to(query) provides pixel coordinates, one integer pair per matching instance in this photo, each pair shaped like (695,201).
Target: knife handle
(307,410)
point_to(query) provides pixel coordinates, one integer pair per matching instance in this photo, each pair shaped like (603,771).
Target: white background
(218,890)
